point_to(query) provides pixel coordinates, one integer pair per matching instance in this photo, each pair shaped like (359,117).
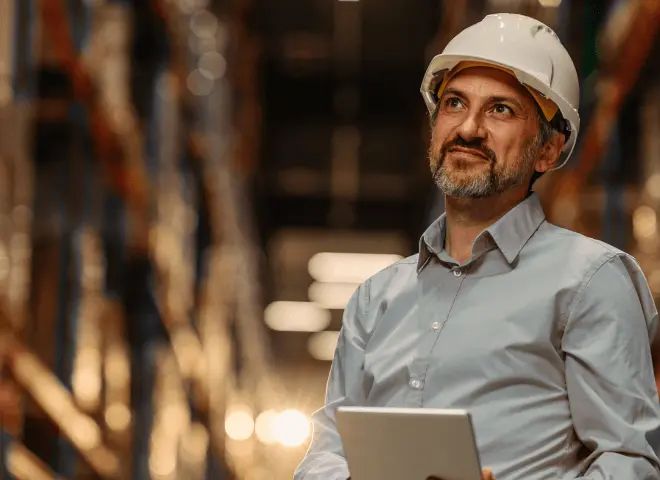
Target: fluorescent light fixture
(550,3)
(348,267)
(333,296)
(296,317)
(322,345)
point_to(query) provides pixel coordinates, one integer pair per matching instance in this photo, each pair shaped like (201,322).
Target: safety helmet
(526,48)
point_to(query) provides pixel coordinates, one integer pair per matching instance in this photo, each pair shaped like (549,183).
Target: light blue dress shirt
(543,335)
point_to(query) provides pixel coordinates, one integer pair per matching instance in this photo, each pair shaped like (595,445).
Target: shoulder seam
(403,261)
(606,246)
(585,283)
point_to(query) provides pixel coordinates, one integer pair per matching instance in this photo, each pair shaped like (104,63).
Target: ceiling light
(292,427)
(645,222)
(653,186)
(239,423)
(296,317)
(322,345)
(331,295)
(348,267)
(264,427)
(550,3)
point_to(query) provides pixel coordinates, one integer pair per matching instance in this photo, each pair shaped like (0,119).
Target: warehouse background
(191,189)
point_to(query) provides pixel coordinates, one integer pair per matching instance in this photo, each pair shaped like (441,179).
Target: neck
(468,217)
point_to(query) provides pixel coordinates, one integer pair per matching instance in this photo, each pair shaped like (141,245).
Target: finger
(487,474)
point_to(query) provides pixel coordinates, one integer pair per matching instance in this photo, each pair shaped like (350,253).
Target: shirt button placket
(416,384)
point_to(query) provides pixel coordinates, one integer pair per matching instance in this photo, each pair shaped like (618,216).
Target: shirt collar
(510,233)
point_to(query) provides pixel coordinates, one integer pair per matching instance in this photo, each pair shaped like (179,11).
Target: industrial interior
(191,190)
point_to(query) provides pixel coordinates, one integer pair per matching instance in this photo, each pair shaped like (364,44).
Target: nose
(472,127)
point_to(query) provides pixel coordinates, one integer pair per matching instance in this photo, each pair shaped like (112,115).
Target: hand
(486,474)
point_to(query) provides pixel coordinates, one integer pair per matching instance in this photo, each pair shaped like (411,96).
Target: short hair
(546,130)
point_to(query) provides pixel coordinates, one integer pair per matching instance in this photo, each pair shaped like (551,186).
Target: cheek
(440,132)
(506,143)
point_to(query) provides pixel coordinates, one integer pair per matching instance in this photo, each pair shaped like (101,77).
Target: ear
(549,155)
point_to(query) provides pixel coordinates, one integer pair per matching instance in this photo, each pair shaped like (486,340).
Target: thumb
(487,474)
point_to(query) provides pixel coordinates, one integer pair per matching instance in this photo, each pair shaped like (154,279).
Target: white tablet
(408,443)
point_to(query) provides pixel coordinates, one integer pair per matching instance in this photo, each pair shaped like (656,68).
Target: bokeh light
(239,422)
(645,222)
(198,83)
(292,428)
(117,416)
(265,425)
(212,65)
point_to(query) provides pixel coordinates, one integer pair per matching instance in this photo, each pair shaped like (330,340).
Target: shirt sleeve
(325,459)
(609,373)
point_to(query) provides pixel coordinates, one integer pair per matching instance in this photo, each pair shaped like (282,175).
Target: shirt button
(435,325)
(415,383)
(457,272)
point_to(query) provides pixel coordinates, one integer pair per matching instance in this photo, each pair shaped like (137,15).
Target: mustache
(476,144)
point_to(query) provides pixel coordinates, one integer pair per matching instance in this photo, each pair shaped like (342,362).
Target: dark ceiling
(344,134)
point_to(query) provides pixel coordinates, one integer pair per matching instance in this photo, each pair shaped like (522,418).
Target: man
(541,333)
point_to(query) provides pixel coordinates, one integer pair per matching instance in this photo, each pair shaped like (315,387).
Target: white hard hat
(527,48)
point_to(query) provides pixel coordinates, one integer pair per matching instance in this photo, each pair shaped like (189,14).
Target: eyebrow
(494,99)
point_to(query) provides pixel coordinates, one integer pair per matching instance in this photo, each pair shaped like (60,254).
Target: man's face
(484,139)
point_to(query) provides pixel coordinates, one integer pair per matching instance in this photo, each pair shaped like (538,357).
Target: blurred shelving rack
(139,287)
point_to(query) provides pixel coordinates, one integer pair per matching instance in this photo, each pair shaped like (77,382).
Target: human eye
(502,109)
(452,103)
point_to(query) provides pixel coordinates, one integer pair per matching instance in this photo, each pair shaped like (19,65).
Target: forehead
(490,82)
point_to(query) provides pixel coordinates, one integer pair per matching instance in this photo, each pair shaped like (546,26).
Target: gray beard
(489,183)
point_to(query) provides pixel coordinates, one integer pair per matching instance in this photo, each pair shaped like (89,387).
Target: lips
(469,151)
